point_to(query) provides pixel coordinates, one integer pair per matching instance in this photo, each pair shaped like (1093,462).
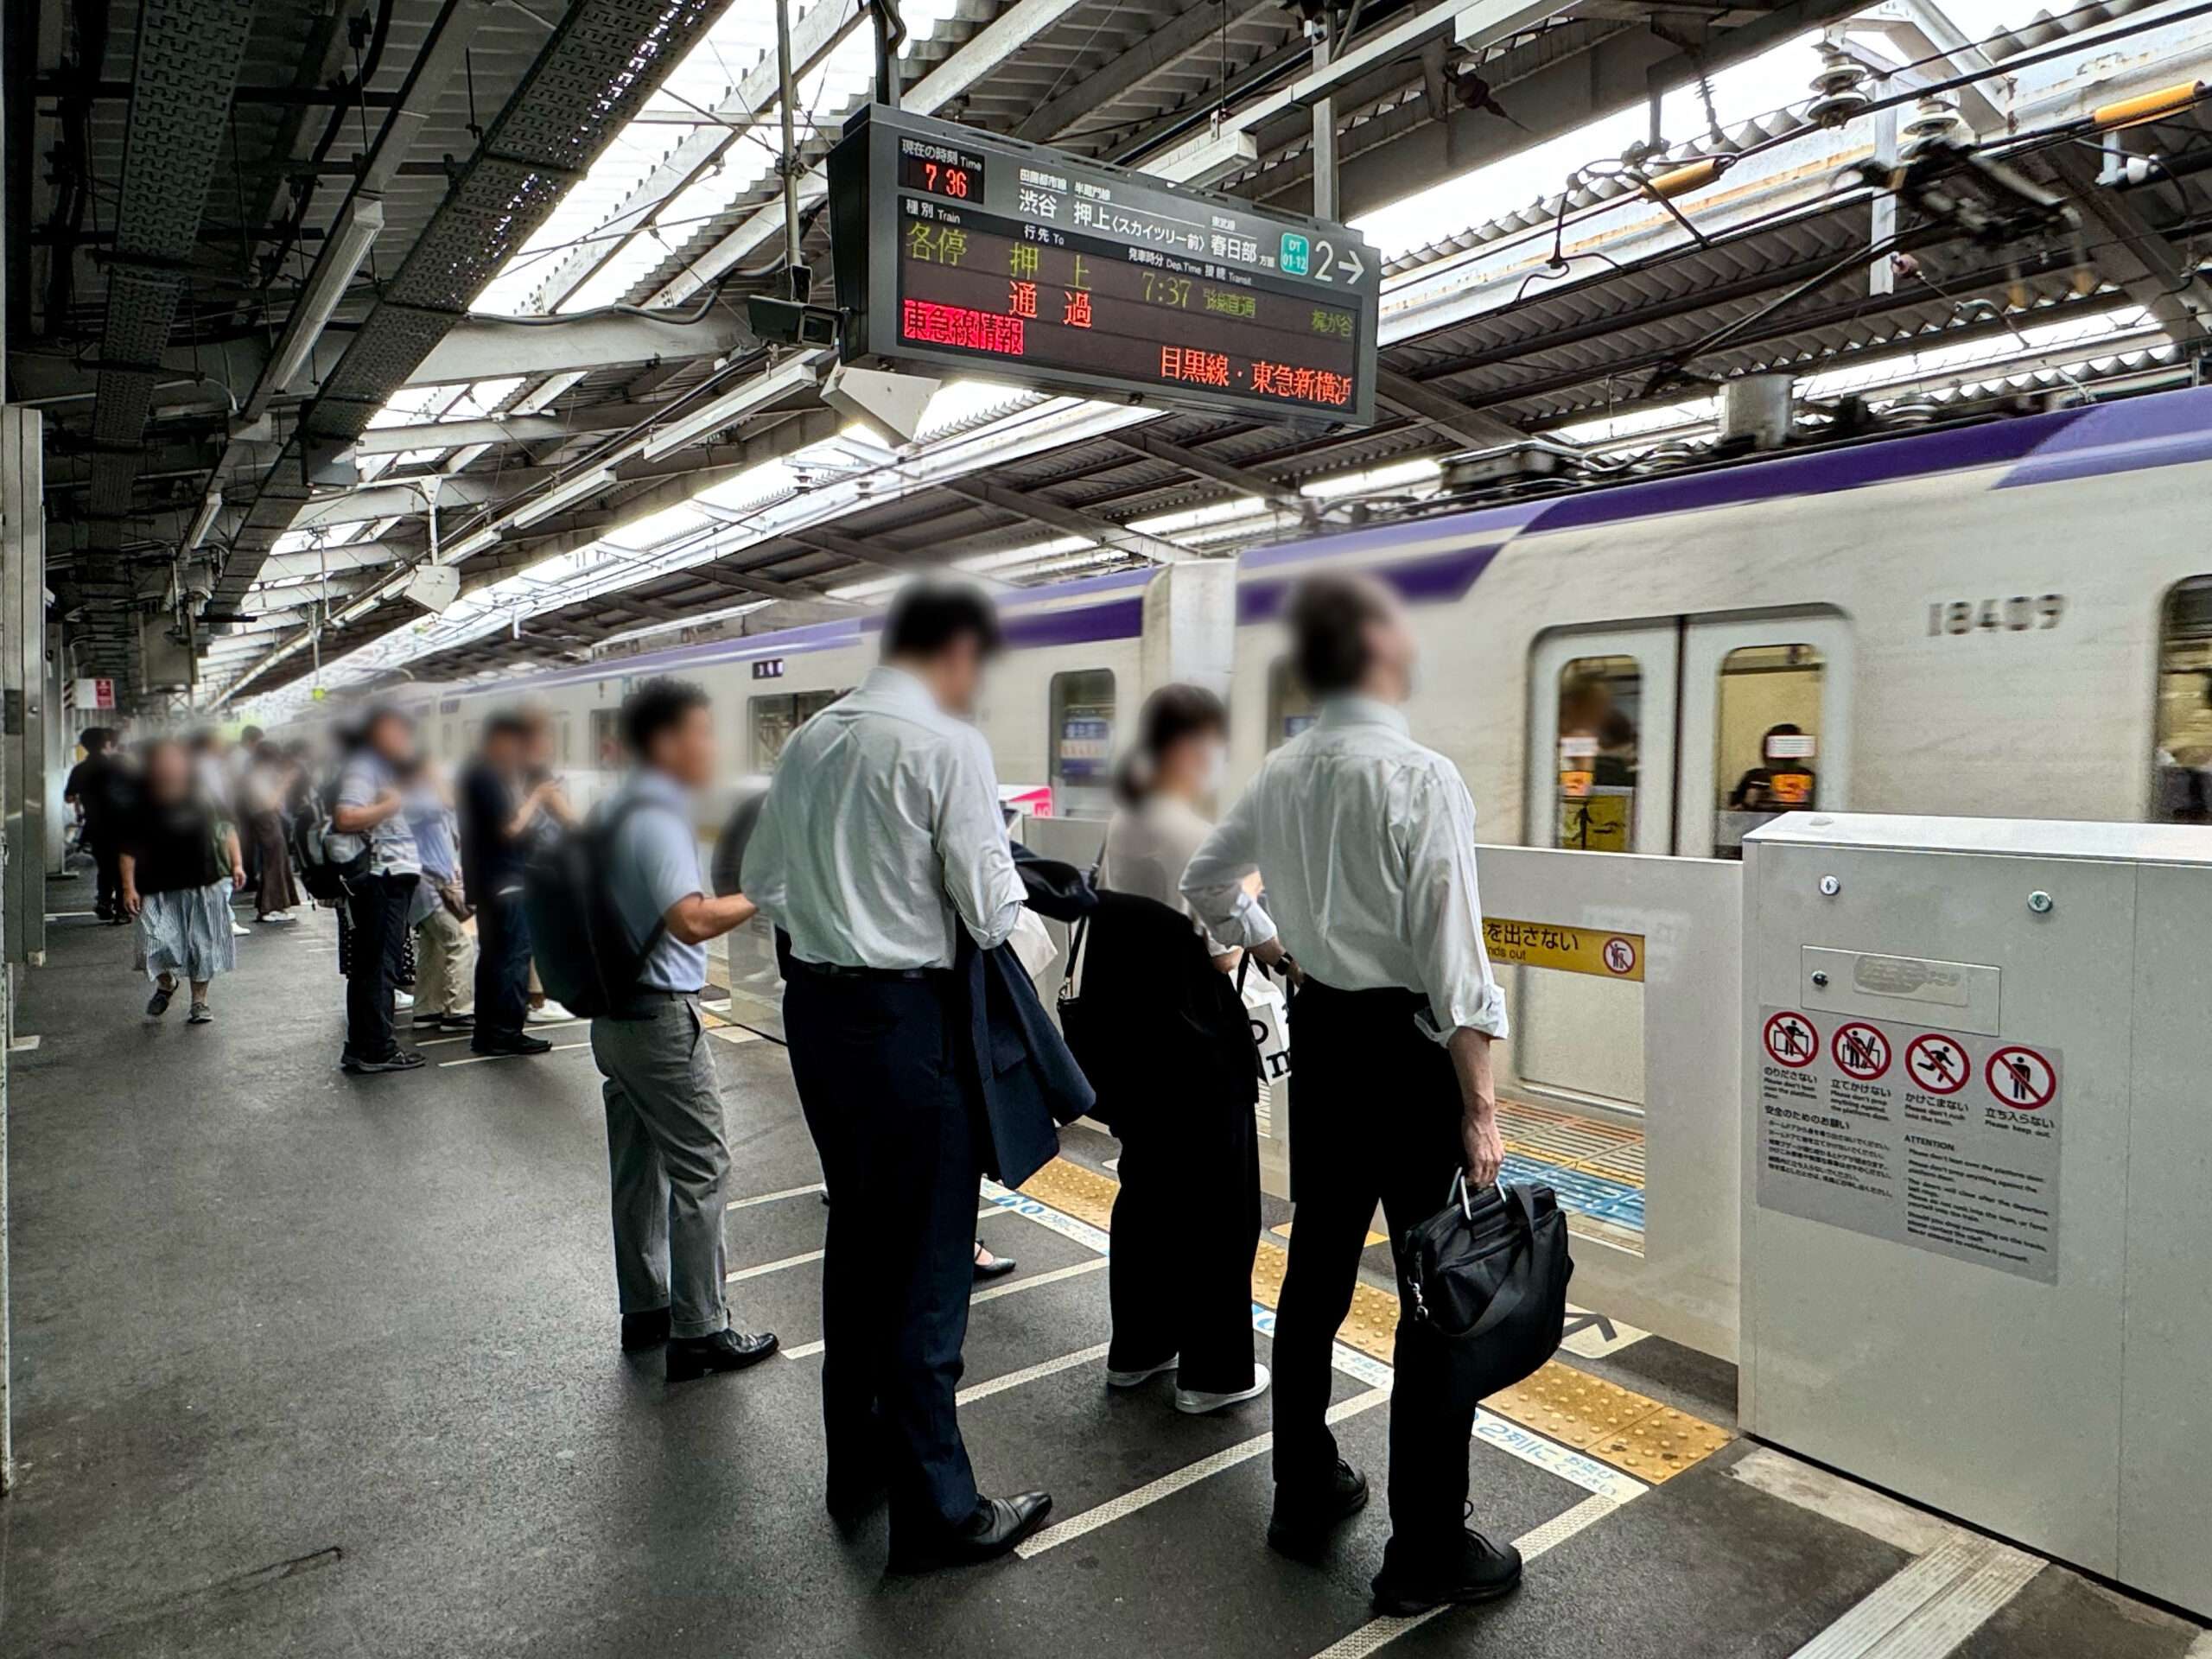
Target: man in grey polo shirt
(666,1152)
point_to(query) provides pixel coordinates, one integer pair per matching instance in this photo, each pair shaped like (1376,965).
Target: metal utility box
(1977,1251)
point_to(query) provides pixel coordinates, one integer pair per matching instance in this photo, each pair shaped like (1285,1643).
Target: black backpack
(584,957)
(326,879)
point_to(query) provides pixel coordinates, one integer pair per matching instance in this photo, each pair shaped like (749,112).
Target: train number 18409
(2016,616)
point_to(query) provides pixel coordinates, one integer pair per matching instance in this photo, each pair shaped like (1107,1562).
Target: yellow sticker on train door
(1790,788)
(1595,823)
(1573,949)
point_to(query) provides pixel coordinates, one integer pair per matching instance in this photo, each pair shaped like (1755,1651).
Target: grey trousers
(667,1157)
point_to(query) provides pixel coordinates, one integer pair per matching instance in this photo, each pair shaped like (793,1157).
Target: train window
(1290,710)
(2181,783)
(1082,741)
(774,719)
(1600,704)
(1766,758)
(606,738)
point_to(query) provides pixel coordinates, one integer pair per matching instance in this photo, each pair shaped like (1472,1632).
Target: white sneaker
(1195,1401)
(551,1014)
(1130,1379)
(401,1000)
(237,932)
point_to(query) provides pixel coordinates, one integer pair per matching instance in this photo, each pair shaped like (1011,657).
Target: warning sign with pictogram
(1860,1051)
(1791,1039)
(1947,1141)
(1936,1062)
(2021,1078)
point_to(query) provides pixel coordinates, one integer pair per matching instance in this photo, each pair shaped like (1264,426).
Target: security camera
(790,323)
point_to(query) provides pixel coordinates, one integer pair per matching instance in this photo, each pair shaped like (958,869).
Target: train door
(1672,737)
(1601,779)
(1765,725)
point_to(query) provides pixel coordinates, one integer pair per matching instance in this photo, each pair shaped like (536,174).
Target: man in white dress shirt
(1366,843)
(880,840)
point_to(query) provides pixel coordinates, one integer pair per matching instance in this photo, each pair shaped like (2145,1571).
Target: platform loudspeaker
(434,586)
(890,406)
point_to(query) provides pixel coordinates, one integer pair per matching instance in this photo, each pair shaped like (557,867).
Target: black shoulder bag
(1488,1273)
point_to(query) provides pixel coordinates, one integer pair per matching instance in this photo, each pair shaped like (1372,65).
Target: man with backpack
(667,1154)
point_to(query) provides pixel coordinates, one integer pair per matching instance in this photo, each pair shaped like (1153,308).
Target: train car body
(1993,620)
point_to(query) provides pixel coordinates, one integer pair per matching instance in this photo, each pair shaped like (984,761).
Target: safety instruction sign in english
(1942,1141)
(1605,953)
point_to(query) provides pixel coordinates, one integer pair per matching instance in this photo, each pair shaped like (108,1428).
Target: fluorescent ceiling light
(469,545)
(357,228)
(718,412)
(202,520)
(559,496)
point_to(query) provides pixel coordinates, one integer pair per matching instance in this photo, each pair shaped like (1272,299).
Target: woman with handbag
(1161,992)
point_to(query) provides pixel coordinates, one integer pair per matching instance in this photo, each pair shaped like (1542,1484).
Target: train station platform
(307,1364)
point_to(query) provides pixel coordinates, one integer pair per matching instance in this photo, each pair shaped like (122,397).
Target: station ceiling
(284,275)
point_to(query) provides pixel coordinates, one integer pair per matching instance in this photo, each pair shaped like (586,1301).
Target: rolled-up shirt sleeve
(971,845)
(1434,824)
(1213,881)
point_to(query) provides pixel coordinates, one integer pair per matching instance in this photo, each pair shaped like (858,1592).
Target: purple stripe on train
(1436,577)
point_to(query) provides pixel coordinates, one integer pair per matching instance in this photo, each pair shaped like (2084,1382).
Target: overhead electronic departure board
(959,250)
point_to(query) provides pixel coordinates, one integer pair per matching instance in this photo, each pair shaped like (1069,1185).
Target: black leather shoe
(643,1331)
(1480,1570)
(516,1043)
(997,1525)
(1305,1516)
(997,1268)
(726,1350)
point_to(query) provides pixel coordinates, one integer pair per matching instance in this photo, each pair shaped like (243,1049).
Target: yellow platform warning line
(1617,1425)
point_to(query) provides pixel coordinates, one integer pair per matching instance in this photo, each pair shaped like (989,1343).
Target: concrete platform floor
(308,1364)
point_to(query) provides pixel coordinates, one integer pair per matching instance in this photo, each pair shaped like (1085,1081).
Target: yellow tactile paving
(1074,1190)
(1615,1425)
(1373,1239)
(1660,1445)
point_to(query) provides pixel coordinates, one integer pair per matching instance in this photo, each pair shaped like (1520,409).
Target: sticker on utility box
(1943,1140)
(1598,950)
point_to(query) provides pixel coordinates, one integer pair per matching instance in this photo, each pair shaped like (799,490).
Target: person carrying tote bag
(1158,1026)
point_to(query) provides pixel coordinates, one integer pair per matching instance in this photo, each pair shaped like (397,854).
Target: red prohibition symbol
(1791,1039)
(2021,1078)
(1620,956)
(1936,1064)
(1862,1052)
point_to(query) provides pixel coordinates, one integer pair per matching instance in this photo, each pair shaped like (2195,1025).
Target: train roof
(2168,428)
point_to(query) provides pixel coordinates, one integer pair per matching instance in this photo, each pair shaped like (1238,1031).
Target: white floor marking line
(2200,1649)
(1036,1281)
(805,1257)
(1598,1479)
(772,1198)
(798,1261)
(1531,1544)
(25,1044)
(1129,1504)
(1030,1374)
(463,1037)
(1930,1605)
(479,1059)
(809,1350)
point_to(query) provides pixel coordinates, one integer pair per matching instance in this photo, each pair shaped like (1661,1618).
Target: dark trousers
(886,1093)
(376,910)
(1374,1115)
(107,860)
(502,966)
(1180,1274)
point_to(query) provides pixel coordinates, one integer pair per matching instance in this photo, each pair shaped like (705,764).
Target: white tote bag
(1266,1010)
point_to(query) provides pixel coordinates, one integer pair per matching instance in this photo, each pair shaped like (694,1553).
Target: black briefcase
(1488,1273)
